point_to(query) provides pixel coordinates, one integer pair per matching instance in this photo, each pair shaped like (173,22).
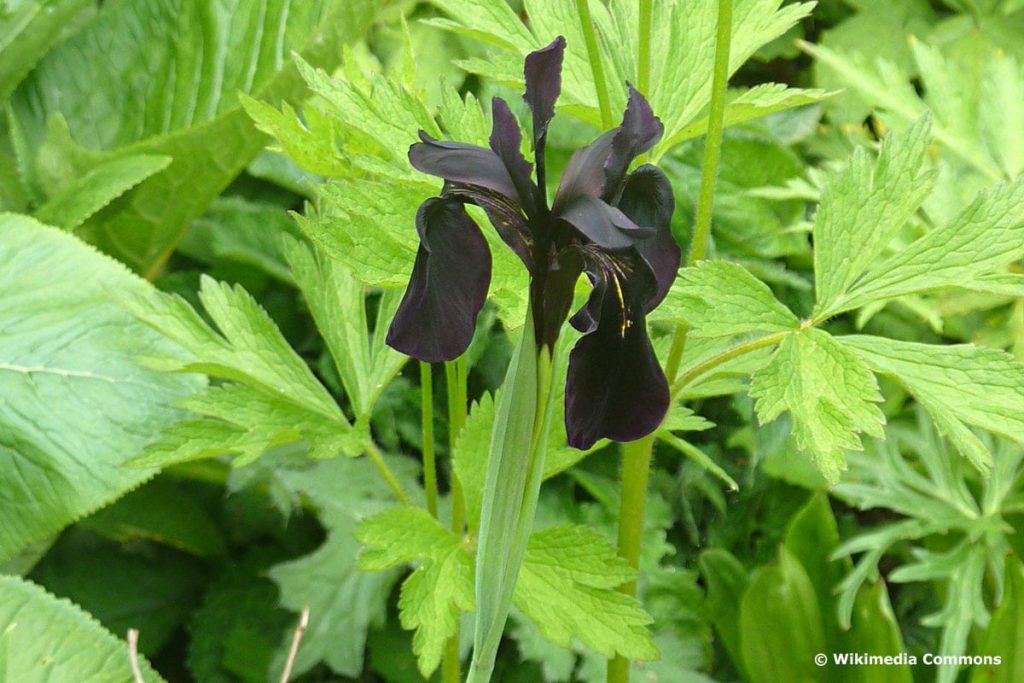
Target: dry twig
(133,654)
(296,639)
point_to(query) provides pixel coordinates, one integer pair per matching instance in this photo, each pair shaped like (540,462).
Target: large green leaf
(46,640)
(27,31)
(161,78)
(74,404)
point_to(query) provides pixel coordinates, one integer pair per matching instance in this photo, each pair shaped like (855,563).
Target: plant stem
(713,141)
(377,458)
(455,374)
(643,64)
(594,55)
(427,423)
(636,456)
(455,377)
(732,352)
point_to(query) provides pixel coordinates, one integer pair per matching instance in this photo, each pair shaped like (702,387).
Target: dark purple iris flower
(609,224)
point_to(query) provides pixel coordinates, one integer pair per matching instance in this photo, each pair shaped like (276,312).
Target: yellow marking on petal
(622,305)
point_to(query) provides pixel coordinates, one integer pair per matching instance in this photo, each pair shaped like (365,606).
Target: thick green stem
(636,456)
(713,141)
(455,377)
(427,424)
(455,374)
(377,458)
(643,62)
(596,65)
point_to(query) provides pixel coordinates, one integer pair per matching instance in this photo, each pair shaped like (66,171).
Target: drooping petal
(462,163)
(505,142)
(543,73)
(639,131)
(437,315)
(604,225)
(504,214)
(615,386)
(648,200)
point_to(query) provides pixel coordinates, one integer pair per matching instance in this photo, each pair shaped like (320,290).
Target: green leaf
(726,581)
(46,640)
(862,208)
(236,229)
(27,31)
(568,588)
(829,392)
(248,348)
(1005,631)
(160,511)
(682,49)
(74,402)
(156,590)
(876,631)
(986,236)
(761,100)
(812,536)
(344,602)
(780,624)
(437,591)
(958,385)
(104,78)
(722,299)
(102,184)
(247,422)
(338,304)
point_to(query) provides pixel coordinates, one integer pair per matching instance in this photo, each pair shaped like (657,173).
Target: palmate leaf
(830,393)
(338,304)
(137,81)
(722,299)
(46,640)
(960,386)
(974,96)
(437,591)
(273,399)
(75,403)
(861,209)
(682,49)
(567,585)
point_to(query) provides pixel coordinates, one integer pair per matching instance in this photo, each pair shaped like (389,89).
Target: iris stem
(455,377)
(427,424)
(377,458)
(637,455)
(596,65)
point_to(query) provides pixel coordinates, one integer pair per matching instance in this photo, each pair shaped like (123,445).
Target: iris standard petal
(437,315)
(584,175)
(543,73)
(505,141)
(604,225)
(462,163)
(648,200)
(615,387)
(640,130)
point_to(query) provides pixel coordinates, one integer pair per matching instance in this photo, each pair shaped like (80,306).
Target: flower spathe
(604,222)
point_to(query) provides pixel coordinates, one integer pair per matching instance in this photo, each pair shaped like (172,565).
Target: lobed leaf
(829,392)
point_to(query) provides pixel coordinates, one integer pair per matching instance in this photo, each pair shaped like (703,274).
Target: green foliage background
(206,225)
